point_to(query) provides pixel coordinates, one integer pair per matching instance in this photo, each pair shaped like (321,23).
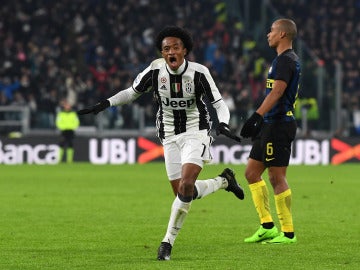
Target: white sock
(206,187)
(178,214)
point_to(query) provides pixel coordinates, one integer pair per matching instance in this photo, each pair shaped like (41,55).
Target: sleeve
(123,97)
(214,96)
(208,84)
(284,69)
(144,81)
(141,84)
(58,120)
(222,111)
(76,121)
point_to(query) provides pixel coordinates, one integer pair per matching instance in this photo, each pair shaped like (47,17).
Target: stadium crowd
(86,50)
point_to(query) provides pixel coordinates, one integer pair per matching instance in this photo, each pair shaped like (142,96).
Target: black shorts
(273,145)
(67,137)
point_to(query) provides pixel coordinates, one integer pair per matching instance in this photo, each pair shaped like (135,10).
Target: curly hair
(175,31)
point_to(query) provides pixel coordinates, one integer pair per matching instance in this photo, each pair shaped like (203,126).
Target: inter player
(272,128)
(183,124)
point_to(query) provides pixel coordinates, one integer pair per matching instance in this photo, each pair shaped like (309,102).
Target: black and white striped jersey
(179,95)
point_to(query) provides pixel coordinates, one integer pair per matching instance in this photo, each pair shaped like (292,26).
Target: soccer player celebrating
(272,128)
(183,125)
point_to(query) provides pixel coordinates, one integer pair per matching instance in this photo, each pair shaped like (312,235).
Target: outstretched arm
(122,97)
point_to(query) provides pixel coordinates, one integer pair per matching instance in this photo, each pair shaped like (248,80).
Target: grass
(83,216)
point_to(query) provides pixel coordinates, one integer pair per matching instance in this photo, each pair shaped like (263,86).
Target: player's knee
(277,180)
(251,176)
(187,187)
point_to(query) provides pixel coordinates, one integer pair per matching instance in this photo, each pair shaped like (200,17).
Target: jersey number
(269,149)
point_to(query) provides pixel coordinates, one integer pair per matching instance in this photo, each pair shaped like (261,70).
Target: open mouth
(172,59)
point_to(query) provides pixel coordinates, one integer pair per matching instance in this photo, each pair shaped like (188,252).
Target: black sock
(289,234)
(185,199)
(268,225)
(196,193)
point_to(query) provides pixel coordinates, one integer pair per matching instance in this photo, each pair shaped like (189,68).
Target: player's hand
(252,126)
(224,129)
(102,105)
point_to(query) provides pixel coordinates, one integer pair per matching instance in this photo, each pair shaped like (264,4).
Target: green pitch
(84,216)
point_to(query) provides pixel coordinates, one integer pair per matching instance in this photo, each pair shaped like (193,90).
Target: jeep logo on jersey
(178,103)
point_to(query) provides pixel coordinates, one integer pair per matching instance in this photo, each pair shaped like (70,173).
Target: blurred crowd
(86,50)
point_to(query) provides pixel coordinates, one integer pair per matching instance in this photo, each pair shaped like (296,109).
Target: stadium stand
(86,50)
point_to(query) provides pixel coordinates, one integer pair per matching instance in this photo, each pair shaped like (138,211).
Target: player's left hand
(224,129)
(252,126)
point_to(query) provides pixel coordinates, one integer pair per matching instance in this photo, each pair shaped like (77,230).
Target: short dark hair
(289,27)
(175,31)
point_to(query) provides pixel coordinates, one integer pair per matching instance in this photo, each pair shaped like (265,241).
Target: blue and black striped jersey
(285,67)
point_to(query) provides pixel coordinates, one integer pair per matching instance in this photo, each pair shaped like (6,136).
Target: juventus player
(183,124)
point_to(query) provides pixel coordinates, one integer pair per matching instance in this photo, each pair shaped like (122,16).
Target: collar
(179,71)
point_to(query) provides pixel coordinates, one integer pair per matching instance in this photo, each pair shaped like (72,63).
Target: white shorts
(190,147)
